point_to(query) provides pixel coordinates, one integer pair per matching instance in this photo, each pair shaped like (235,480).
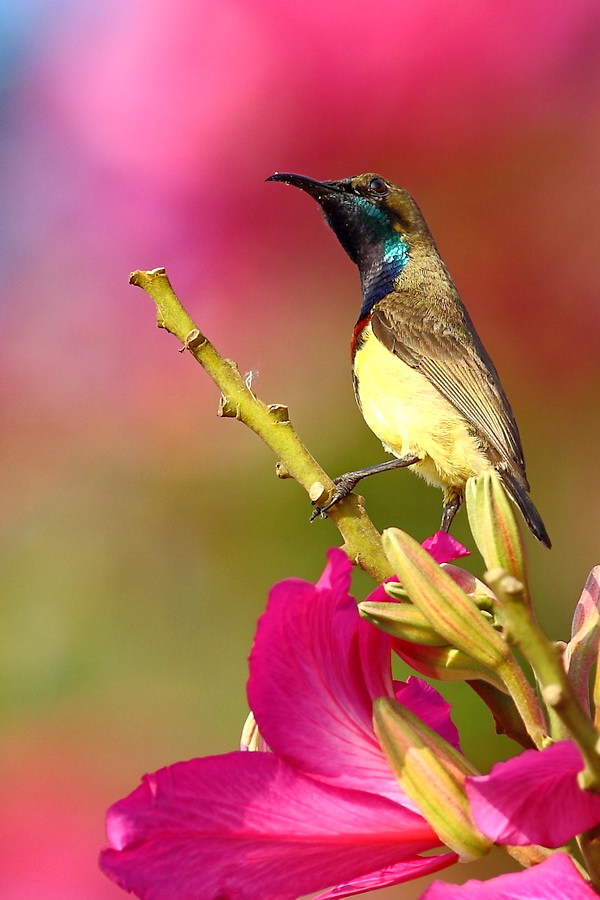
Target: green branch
(271,423)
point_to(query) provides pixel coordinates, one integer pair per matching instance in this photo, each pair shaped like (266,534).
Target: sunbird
(423,380)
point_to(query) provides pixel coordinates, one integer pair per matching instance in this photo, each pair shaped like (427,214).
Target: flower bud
(402,620)
(451,612)
(432,774)
(495,528)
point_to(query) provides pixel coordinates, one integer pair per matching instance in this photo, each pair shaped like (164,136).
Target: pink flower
(444,548)
(323,807)
(534,798)
(554,879)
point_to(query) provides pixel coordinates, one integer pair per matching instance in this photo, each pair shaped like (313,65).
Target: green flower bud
(432,774)
(495,528)
(450,611)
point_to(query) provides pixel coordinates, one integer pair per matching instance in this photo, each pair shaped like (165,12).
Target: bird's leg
(345,484)
(452,503)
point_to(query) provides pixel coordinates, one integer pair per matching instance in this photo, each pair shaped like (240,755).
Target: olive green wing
(447,350)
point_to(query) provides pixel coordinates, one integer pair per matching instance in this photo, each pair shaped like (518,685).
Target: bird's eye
(378,186)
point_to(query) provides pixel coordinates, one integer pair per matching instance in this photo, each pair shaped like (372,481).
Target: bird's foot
(344,485)
(452,504)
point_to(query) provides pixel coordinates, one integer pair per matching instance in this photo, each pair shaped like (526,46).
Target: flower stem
(589,844)
(523,632)
(525,701)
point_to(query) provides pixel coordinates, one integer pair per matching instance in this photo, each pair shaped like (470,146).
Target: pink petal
(404,871)
(246,825)
(554,879)
(444,548)
(315,669)
(428,704)
(534,798)
(337,574)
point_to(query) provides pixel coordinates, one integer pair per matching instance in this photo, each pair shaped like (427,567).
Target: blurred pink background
(139,533)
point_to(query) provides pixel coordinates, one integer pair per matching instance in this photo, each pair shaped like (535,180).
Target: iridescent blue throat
(378,279)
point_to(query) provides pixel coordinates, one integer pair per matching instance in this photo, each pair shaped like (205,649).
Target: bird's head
(368,213)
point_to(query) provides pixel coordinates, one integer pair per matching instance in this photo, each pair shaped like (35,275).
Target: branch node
(511,585)
(316,491)
(227,409)
(194,340)
(493,575)
(234,370)
(553,695)
(281,470)
(279,413)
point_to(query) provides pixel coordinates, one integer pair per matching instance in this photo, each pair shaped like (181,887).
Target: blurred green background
(139,533)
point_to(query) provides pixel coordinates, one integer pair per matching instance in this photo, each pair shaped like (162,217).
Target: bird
(422,378)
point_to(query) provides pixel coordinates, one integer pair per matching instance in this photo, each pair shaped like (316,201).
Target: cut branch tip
(279,413)
(227,409)
(316,491)
(139,276)
(194,340)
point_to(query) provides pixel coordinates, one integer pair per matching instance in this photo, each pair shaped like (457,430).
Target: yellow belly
(410,416)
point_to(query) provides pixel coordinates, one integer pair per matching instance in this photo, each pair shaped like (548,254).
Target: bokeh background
(139,532)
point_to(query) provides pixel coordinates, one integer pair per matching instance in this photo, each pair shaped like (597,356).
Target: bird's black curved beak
(317,189)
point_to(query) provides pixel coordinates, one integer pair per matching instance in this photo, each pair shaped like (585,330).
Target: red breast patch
(356,339)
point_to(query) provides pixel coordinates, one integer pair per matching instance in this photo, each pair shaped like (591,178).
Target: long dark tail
(520,496)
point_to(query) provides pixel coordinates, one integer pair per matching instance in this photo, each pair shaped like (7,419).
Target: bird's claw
(321,511)
(344,485)
(317,512)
